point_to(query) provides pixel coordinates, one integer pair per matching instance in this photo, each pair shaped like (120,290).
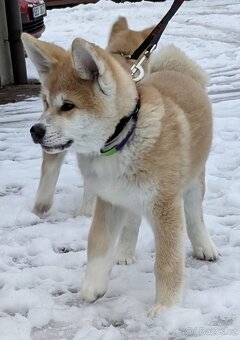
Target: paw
(156,310)
(41,208)
(92,291)
(125,259)
(206,251)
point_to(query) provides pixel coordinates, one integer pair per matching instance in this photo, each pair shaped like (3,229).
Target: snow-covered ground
(42,261)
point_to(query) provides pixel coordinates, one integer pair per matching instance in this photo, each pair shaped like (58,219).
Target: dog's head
(85,93)
(123,42)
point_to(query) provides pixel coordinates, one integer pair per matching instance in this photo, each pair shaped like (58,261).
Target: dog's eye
(67,106)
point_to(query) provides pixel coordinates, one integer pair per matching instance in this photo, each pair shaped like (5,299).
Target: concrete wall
(6,72)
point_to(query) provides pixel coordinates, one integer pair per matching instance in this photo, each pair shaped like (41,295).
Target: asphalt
(16,93)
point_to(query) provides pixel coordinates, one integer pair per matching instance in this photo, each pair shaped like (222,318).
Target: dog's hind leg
(203,246)
(106,226)
(51,165)
(128,240)
(168,224)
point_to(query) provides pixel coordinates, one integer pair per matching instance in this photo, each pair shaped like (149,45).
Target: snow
(42,260)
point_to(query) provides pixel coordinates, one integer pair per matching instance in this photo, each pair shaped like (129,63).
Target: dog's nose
(37,132)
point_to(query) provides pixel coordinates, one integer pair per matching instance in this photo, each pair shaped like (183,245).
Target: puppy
(122,43)
(142,150)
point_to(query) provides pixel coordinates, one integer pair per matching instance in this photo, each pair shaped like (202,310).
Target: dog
(122,43)
(142,149)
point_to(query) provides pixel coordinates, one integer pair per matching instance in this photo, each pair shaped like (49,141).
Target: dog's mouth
(57,148)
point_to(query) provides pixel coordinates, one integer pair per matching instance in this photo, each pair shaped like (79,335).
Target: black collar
(123,131)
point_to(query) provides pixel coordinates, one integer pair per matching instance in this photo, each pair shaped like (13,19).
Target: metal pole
(6,73)
(14,37)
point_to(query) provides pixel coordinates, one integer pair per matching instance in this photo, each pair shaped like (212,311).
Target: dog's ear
(90,62)
(42,54)
(120,25)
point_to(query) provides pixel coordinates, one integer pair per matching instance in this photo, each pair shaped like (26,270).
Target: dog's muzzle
(37,132)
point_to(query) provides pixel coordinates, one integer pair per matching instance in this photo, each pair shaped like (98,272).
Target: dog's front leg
(106,225)
(168,225)
(51,165)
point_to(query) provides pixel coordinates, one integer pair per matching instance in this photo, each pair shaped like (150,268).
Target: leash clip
(138,68)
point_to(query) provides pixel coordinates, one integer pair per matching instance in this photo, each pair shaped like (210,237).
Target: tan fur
(159,173)
(169,249)
(172,58)
(183,94)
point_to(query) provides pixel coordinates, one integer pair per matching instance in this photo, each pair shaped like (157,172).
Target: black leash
(151,41)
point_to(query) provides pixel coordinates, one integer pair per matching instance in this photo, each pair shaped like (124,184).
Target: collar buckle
(138,68)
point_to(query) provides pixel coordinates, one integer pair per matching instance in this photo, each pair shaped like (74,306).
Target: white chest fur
(116,178)
(113,179)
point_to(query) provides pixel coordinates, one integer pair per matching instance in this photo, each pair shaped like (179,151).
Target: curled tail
(171,58)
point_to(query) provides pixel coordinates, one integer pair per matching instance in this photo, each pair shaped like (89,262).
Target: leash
(150,43)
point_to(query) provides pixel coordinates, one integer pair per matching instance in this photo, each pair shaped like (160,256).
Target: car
(59,3)
(32,15)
